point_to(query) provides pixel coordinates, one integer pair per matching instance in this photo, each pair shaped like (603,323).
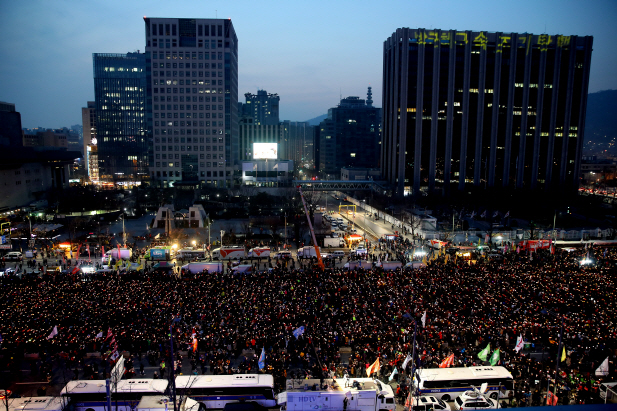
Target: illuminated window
(353,154)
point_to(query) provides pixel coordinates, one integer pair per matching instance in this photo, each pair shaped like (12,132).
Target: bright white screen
(262,151)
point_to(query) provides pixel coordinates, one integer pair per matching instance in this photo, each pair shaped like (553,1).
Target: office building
(349,136)
(251,134)
(297,144)
(10,125)
(120,99)
(262,107)
(88,118)
(484,109)
(192,75)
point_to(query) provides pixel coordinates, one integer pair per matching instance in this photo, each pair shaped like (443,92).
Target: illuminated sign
(265,151)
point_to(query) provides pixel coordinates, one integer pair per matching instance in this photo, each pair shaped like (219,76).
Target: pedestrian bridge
(341,185)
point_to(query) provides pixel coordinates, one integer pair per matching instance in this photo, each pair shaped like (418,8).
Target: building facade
(350,136)
(88,118)
(120,99)
(297,144)
(263,107)
(192,75)
(251,133)
(486,109)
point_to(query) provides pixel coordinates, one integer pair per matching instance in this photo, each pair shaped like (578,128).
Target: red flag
(88,248)
(447,362)
(373,368)
(75,270)
(110,334)
(118,251)
(103,250)
(551,399)
(194,344)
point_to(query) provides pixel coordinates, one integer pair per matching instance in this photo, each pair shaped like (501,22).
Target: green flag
(495,357)
(484,353)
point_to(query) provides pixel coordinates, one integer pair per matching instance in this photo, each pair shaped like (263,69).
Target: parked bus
(35,404)
(448,383)
(215,391)
(91,395)
(190,254)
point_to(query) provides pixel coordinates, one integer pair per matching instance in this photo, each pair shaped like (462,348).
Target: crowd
(371,311)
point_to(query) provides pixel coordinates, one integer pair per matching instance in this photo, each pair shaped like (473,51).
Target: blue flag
(298,331)
(262,359)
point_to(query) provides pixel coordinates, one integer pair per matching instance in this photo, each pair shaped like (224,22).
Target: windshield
(458,401)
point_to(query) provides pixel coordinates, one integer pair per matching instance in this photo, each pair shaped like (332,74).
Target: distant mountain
(601,124)
(315,121)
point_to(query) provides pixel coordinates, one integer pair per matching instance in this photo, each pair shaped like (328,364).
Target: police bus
(448,383)
(91,395)
(214,391)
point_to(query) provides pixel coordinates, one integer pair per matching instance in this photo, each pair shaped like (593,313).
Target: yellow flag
(563,354)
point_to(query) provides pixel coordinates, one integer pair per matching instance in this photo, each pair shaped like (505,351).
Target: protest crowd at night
(459,309)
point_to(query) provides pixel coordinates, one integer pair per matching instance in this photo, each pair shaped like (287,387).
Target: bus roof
(444,374)
(145,385)
(205,381)
(36,403)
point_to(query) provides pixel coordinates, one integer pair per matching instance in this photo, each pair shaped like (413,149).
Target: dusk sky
(309,52)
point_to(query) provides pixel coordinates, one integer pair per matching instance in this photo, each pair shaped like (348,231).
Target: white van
(338,253)
(13,256)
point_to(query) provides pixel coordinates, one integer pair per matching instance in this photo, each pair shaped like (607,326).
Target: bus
(35,404)
(190,254)
(91,395)
(448,383)
(214,391)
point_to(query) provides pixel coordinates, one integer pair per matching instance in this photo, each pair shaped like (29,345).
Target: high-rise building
(193,100)
(120,98)
(262,107)
(297,143)
(10,125)
(349,136)
(488,109)
(88,118)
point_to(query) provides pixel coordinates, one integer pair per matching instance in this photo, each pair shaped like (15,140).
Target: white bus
(214,391)
(448,383)
(91,395)
(36,404)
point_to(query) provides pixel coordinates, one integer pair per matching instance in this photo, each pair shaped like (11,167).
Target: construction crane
(308,218)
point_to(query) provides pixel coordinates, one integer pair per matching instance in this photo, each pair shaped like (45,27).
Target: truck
(159,254)
(307,252)
(362,394)
(259,252)
(125,254)
(199,267)
(333,242)
(228,253)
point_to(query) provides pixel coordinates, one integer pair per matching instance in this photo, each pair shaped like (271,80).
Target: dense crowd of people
(467,306)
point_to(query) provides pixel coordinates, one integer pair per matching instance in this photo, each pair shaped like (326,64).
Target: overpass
(341,185)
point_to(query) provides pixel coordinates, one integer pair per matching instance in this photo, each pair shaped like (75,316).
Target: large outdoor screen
(263,151)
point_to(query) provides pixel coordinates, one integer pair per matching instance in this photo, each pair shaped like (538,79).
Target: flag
(507,215)
(114,355)
(484,353)
(551,399)
(447,362)
(483,214)
(495,357)
(486,238)
(110,334)
(75,270)
(99,335)
(563,354)
(298,332)
(393,374)
(373,368)
(194,344)
(424,319)
(407,359)
(519,343)
(495,214)
(602,370)
(54,332)
(262,359)
(473,213)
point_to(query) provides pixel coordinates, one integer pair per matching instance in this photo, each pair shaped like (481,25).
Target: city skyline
(308,54)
